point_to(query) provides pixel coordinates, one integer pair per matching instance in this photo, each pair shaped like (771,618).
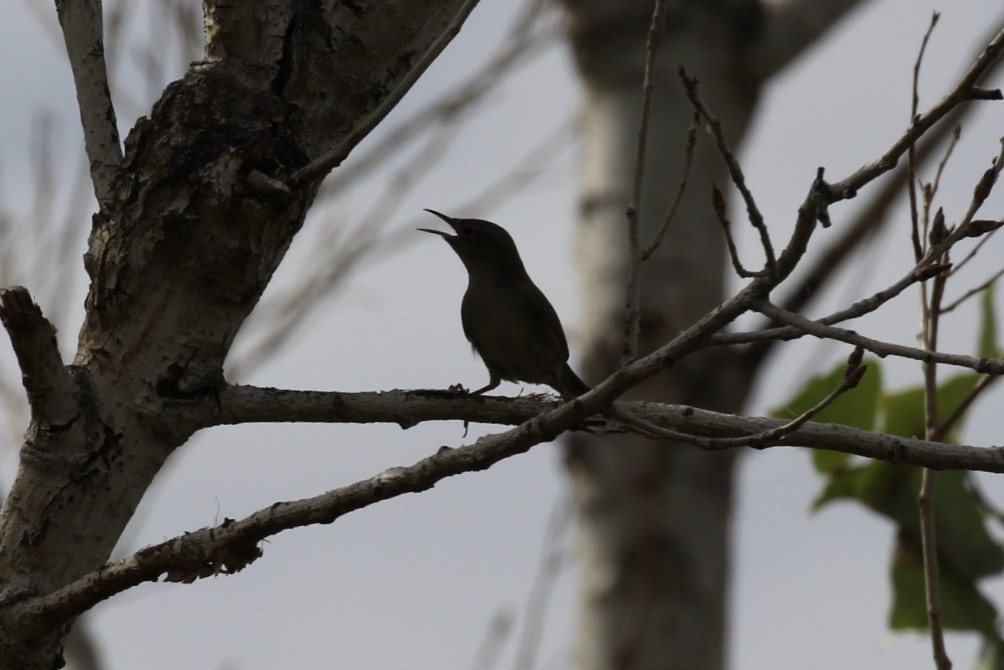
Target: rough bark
(189,233)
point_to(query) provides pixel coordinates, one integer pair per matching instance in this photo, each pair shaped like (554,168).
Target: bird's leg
(492,383)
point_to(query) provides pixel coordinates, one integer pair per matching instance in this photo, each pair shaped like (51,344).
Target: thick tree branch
(51,391)
(84,38)
(245,404)
(233,545)
(321,166)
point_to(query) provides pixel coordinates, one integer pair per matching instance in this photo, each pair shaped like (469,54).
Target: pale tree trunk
(195,215)
(653,518)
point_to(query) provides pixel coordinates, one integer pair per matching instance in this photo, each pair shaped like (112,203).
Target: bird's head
(483,246)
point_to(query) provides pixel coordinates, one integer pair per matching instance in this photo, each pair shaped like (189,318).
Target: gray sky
(417,581)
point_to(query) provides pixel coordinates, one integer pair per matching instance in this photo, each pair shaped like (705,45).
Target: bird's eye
(464,232)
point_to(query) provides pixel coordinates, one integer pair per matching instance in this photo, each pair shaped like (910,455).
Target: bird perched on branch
(505,317)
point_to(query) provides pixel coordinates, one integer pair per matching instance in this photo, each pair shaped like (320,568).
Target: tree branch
(233,545)
(964,91)
(632,312)
(51,390)
(321,166)
(250,404)
(882,349)
(84,38)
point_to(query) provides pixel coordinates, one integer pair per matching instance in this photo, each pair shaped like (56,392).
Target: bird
(506,318)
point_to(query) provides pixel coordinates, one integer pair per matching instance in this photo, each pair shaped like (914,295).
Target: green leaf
(857,408)
(966,551)
(991,654)
(887,489)
(904,411)
(963,540)
(963,607)
(964,544)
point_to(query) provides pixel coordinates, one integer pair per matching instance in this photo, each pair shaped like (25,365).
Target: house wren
(506,318)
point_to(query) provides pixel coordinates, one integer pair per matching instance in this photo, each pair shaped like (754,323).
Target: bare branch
(233,545)
(964,91)
(49,386)
(858,309)
(911,171)
(776,435)
(83,34)
(320,167)
(522,43)
(930,305)
(735,171)
(688,161)
(877,347)
(718,204)
(632,311)
(976,290)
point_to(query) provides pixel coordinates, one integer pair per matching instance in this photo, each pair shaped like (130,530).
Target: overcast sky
(418,582)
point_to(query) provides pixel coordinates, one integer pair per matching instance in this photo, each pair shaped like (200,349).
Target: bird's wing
(548,318)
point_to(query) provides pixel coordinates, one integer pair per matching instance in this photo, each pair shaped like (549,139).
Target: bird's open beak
(449,220)
(445,236)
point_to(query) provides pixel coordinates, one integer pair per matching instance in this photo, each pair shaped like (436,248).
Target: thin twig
(953,142)
(965,90)
(632,301)
(875,215)
(976,290)
(735,171)
(718,204)
(925,504)
(930,306)
(688,161)
(925,498)
(854,311)
(877,347)
(949,422)
(773,436)
(984,239)
(915,233)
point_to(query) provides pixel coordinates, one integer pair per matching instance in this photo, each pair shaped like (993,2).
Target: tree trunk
(191,227)
(653,522)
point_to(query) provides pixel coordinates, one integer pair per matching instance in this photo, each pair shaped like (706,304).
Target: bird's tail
(569,384)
